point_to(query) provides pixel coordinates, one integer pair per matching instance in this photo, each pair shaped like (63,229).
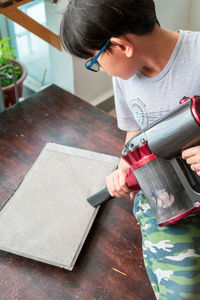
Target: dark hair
(88,24)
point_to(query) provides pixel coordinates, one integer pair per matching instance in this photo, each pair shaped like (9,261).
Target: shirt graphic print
(138,109)
(141,115)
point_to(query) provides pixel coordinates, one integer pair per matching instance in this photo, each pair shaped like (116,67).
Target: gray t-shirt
(140,100)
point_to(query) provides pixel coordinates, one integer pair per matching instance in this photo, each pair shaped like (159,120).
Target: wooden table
(114,241)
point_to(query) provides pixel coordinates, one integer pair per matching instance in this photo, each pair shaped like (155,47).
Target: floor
(108,106)
(27,92)
(112,112)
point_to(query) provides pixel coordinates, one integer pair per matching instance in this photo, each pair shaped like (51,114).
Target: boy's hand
(117,185)
(192,157)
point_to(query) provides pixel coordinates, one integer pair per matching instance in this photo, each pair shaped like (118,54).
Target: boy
(152,70)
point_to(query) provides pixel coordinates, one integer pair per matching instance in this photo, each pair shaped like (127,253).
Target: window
(32,51)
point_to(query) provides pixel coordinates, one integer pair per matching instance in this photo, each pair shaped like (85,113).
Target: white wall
(194,18)
(69,72)
(173,14)
(90,86)
(61,63)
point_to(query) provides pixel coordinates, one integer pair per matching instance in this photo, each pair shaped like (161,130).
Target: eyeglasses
(92,64)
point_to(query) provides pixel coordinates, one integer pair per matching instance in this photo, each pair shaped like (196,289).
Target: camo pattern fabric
(171,254)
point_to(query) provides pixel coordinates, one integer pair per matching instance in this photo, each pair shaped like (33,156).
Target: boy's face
(120,62)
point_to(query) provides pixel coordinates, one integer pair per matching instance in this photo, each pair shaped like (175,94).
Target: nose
(101,69)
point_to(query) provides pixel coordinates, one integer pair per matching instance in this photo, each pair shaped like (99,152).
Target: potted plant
(7,58)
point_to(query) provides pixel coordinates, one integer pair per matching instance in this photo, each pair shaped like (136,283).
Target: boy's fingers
(119,192)
(193,159)
(122,182)
(116,183)
(190,152)
(111,184)
(195,167)
(132,195)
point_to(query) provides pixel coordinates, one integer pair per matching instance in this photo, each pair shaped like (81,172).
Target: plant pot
(9,91)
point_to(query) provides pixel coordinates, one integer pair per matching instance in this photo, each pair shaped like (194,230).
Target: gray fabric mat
(48,217)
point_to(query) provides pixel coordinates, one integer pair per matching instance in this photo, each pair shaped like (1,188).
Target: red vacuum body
(154,154)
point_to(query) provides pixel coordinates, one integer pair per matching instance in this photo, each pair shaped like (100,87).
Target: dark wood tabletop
(114,242)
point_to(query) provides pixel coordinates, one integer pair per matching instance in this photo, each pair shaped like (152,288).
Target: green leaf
(6,58)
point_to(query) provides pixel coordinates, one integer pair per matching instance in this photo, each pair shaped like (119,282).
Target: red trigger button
(183,100)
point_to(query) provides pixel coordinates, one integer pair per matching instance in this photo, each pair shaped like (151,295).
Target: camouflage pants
(171,254)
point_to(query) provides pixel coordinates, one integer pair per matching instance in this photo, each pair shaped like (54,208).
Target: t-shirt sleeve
(125,118)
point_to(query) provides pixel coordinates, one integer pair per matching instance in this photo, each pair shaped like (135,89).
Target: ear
(123,45)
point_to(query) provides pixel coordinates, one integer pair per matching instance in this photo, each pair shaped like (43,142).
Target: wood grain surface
(114,242)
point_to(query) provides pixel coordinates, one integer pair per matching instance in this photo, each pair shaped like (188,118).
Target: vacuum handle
(104,195)
(131,181)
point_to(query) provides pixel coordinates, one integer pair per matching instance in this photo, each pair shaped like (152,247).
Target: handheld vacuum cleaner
(171,188)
